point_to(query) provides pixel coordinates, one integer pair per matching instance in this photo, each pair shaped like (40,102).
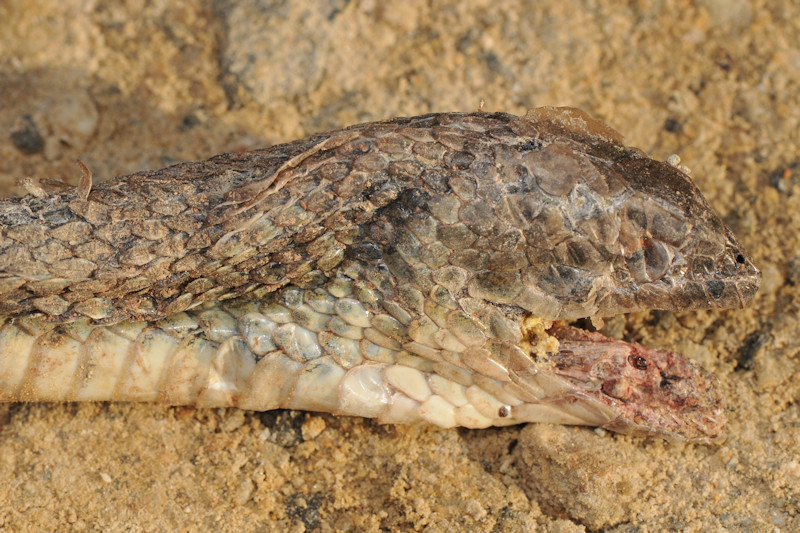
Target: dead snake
(413,269)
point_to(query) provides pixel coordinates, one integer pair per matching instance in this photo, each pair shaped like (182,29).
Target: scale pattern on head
(549,213)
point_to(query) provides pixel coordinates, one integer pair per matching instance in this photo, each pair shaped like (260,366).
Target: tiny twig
(85,183)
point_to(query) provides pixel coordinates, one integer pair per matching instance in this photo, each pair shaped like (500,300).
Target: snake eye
(638,362)
(740,259)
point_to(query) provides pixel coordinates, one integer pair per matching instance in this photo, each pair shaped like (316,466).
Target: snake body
(412,269)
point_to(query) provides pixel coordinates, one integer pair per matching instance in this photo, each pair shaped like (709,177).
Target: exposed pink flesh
(652,388)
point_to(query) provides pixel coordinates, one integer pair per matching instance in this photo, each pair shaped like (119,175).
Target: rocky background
(139,84)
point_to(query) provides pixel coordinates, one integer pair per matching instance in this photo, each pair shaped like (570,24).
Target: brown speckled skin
(548,212)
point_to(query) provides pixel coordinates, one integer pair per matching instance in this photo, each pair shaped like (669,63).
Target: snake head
(644,388)
(606,229)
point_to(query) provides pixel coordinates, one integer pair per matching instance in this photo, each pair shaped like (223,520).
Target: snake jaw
(654,392)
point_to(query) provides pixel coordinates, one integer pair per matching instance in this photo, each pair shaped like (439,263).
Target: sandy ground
(126,86)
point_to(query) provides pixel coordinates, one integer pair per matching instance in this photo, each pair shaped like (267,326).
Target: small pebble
(312,428)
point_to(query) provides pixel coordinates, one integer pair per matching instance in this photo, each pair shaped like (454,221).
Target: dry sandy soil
(126,86)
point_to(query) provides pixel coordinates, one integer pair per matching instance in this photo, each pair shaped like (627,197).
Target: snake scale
(415,269)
